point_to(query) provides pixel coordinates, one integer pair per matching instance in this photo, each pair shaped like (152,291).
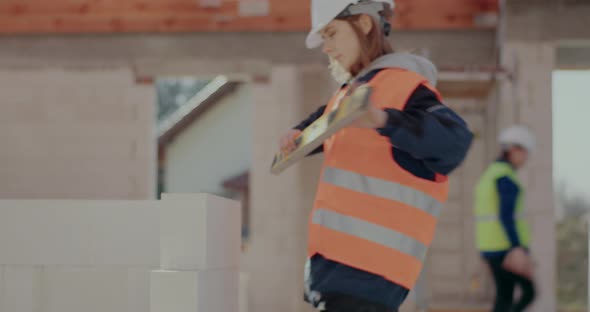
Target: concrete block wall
(195,291)
(277,213)
(75,233)
(194,238)
(527,100)
(280,204)
(453,263)
(200,251)
(76,134)
(85,289)
(71,256)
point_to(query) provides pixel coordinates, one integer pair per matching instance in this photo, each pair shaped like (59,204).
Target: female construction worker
(384,178)
(502,234)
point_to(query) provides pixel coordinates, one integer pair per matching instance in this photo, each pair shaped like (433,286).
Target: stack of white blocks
(199,257)
(175,255)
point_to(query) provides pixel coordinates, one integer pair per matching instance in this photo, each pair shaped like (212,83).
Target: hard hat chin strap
(370,8)
(385,25)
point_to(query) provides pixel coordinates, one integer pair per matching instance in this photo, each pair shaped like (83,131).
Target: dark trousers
(505,284)
(344,303)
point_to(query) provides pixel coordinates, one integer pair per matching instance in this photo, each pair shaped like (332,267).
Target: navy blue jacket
(427,138)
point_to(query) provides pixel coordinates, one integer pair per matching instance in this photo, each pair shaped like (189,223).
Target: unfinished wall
(176,254)
(527,100)
(76,134)
(454,274)
(534,33)
(280,204)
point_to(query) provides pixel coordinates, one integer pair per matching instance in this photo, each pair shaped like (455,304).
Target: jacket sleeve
(308,121)
(508,192)
(429,131)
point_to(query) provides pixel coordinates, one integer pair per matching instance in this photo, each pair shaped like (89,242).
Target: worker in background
(384,178)
(502,234)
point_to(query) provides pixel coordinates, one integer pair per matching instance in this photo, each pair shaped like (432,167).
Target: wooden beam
(143,23)
(90,7)
(106,16)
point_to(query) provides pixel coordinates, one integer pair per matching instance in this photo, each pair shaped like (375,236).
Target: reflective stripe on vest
(496,218)
(381,188)
(371,232)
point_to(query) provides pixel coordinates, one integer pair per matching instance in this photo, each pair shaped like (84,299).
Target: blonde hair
(373,45)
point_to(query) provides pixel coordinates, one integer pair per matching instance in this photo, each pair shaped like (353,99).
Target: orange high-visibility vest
(369,213)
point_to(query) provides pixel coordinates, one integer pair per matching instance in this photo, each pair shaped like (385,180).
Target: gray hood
(405,61)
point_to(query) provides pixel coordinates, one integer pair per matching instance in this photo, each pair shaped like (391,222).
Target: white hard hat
(518,135)
(324,11)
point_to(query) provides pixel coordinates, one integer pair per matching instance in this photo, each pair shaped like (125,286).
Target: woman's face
(518,156)
(341,43)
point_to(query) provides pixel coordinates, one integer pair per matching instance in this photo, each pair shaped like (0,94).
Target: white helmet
(324,11)
(518,135)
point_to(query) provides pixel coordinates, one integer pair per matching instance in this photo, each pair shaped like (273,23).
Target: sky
(571,130)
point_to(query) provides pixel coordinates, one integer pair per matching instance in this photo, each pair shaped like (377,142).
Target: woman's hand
(519,262)
(373,118)
(287,141)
